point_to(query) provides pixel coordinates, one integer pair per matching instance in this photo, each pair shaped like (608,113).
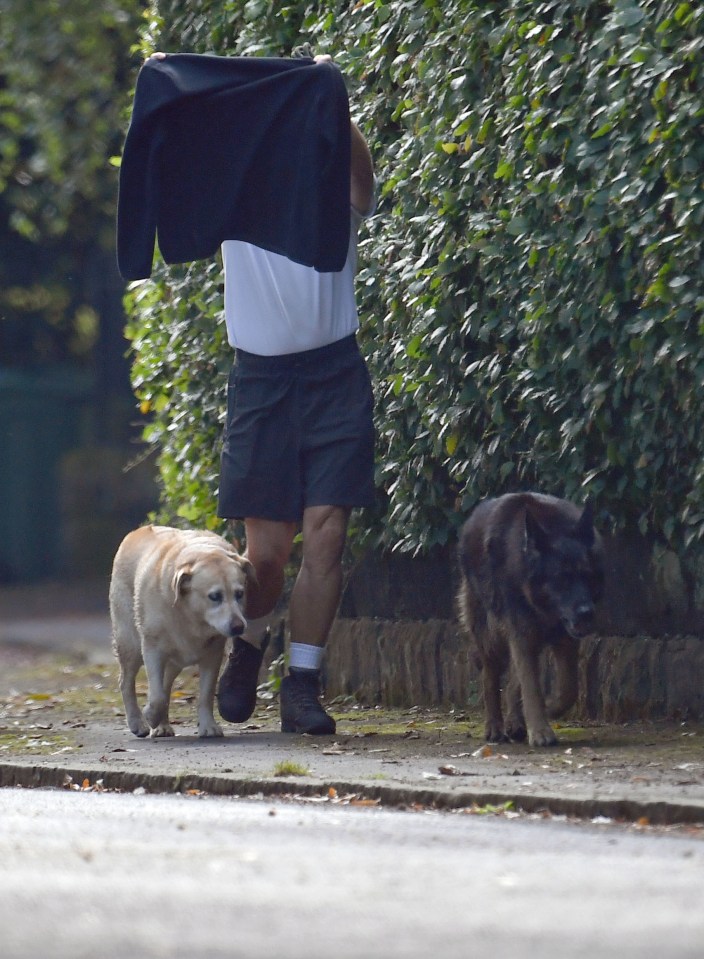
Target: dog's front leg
(515,722)
(209,667)
(525,659)
(159,677)
(491,685)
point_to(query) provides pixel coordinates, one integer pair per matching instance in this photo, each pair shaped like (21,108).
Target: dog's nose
(236,627)
(581,621)
(584,614)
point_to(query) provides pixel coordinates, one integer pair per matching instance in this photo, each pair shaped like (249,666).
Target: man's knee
(324,535)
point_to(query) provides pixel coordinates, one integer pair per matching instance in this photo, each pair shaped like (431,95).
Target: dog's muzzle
(580,622)
(237,627)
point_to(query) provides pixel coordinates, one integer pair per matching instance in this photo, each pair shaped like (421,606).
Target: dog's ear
(181,582)
(248,569)
(536,539)
(585,525)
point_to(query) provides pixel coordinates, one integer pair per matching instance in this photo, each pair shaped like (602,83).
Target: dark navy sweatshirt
(235,148)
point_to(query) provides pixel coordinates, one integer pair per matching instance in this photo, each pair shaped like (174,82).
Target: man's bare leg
(312,609)
(268,549)
(316,594)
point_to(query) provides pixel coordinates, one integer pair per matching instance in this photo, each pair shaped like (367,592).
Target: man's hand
(322,58)
(157,56)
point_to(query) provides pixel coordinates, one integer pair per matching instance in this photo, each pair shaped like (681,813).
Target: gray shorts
(299,433)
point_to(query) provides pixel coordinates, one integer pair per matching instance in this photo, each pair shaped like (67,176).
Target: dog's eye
(239,594)
(215,596)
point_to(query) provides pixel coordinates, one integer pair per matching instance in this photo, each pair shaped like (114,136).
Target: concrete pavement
(61,724)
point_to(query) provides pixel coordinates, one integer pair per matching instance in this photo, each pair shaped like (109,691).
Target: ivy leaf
(451,444)
(628,17)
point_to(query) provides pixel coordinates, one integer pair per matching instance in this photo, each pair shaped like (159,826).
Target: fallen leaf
(449,770)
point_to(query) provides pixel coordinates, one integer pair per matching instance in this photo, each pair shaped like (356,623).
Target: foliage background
(64,77)
(531,289)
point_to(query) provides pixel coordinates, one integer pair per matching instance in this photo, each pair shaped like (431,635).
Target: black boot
(301,711)
(237,688)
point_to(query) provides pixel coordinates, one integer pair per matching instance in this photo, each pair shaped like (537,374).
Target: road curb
(620,809)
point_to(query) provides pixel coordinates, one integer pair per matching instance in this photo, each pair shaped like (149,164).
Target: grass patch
(288,768)
(401,723)
(20,742)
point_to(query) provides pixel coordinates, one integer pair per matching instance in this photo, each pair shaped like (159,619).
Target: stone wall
(397,642)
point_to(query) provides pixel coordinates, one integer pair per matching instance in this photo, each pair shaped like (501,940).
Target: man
(298,449)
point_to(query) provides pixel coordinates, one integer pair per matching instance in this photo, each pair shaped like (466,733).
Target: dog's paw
(139,727)
(544,736)
(162,731)
(210,730)
(493,733)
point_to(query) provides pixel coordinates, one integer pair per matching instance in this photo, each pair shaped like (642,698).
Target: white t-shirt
(274,306)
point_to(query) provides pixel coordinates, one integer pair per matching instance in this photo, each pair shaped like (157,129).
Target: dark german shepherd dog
(531,571)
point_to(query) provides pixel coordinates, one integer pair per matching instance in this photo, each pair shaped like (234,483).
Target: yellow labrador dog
(175,597)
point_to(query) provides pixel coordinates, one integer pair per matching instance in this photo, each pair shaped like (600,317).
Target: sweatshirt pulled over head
(235,148)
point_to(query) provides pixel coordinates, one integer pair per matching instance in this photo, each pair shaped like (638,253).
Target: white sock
(302,656)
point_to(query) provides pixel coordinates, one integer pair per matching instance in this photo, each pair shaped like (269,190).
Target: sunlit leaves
(64,72)
(531,291)
(61,66)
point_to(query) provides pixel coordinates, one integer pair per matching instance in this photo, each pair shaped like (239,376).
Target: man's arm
(361,172)
(361,165)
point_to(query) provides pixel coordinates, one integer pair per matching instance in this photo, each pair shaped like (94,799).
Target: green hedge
(532,288)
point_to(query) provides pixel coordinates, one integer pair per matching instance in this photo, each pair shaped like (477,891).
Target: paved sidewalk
(61,724)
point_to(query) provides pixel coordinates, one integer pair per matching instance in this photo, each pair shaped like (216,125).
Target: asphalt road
(108,875)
